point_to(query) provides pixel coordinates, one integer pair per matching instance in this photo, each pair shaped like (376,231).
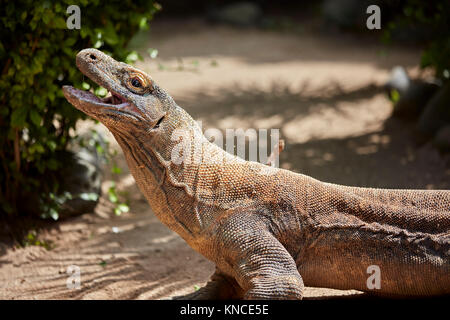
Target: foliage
(37,54)
(31,239)
(108,154)
(432,18)
(113,195)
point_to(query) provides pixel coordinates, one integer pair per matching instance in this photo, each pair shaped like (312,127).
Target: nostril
(93,57)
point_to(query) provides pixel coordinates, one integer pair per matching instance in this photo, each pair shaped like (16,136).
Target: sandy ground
(321,91)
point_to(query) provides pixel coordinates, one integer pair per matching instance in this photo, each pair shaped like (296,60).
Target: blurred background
(355,106)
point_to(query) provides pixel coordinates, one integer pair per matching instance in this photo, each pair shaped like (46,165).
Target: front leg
(259,262)
(219,287)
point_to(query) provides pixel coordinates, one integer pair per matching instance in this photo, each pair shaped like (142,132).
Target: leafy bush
(37,54)
(429,21)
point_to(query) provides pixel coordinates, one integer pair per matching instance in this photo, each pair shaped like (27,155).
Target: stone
(436,114)
(398,80)
(82,178)
(414,100)
(414,94)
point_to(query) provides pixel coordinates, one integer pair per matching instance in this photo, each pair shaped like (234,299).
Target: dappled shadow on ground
(254,103)
(129,257)
(388,158)
(357,144)
(15,230)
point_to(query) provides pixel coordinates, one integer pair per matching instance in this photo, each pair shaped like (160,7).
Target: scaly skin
(269,231)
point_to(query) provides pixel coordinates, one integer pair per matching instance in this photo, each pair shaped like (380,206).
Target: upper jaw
(103,70)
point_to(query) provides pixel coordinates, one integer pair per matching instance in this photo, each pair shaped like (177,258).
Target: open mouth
(81,98)
(113,98)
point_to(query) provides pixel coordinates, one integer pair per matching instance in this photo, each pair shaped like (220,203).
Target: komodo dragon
(269,231)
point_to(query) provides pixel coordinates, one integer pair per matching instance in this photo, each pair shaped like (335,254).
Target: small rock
(115,229)
(414,94)
(399,80)
(81,175)
(436,114)
(414,100)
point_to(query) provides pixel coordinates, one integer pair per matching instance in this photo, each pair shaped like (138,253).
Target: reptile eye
(138,83)
(135,82)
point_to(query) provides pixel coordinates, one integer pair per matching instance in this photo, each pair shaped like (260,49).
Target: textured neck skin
(169,187)
(234,211)
(185,193)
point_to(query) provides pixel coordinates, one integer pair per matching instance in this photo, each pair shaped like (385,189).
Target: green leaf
(394,96)
(52,145)
(132,57)
(110,36)
(99,149)
(39,148)
(100,91)
(123,207)
(52,164)
(143,25)
(67,195)
(60,23)
(35,117)
(116,170)
(153,53)
(89,196)
(446,74)
(112,195)
(19,116)
(70,41)
(54,214)
(46,18)
(98,44)
(84,32)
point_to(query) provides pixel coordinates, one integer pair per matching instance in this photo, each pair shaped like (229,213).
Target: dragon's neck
(169,180)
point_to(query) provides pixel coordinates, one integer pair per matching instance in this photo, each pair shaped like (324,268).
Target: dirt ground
(321,90)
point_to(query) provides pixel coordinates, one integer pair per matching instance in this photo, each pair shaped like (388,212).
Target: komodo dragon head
(137,106)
